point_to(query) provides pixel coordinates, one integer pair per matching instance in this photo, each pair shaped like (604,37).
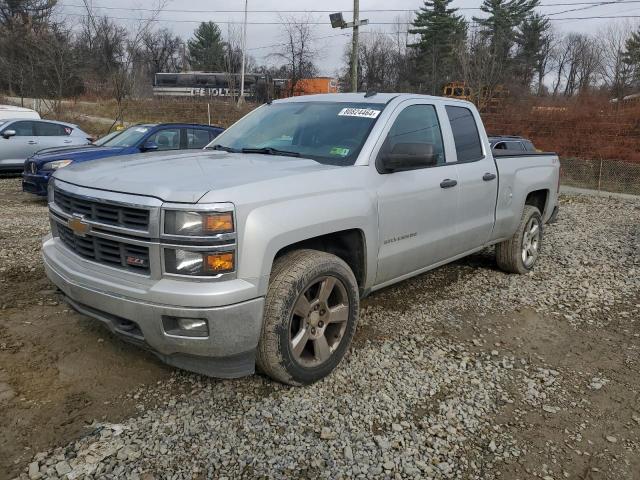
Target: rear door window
(46,129)
(465,134)
(197,138)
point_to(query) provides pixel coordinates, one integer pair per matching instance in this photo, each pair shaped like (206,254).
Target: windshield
(328,132)
(101,141)
(128,138)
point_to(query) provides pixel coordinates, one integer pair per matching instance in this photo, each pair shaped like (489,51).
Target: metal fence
(602,175)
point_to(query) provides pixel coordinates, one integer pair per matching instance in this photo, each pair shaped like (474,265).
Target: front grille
(107,213)
(117,254)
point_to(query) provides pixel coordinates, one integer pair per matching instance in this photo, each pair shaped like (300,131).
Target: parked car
(258,249)
(511,142)
(136,139)
(19,139)
(13,112)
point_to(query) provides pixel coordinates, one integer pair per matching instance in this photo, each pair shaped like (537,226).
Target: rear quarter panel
(519,176)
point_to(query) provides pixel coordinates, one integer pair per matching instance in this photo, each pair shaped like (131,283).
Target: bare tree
(233,59)
(21,23)
(560,53)
(160,49)
(616,73)
(123,74)
(378,62)
(298,50)
(576,61)
(481,69)
(60,62)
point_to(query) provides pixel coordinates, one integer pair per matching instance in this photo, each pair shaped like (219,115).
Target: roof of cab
(361,97)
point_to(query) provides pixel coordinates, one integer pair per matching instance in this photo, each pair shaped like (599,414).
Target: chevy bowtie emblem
(78,225)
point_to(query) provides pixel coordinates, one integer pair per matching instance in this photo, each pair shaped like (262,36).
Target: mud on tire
(295,309)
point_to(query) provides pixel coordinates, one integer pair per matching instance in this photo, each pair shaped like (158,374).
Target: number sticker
(359,112)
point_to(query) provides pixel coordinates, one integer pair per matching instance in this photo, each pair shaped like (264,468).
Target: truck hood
(77,154)
(186,177)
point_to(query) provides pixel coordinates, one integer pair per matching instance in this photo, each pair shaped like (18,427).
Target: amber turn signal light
(218,223)
(219,262)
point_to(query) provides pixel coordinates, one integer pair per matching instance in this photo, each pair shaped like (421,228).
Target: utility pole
(337,21)
(354,46)
(244,53)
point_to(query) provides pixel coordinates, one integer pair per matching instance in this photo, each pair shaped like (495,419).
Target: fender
(272,227)
(518,178)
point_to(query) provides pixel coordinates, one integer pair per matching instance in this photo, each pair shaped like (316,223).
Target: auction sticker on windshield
(359,112)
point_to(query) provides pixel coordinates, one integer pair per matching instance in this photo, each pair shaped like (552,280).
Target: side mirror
(149,147)
(9,133)
(408,156)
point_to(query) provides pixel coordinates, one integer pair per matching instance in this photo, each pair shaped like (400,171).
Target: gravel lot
(464,372)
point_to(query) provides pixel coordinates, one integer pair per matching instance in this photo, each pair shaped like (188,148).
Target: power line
(318,23)
(372,10)
(601,4)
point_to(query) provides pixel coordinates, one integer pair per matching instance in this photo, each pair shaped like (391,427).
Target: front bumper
(234,329)
(11,166)
(35,183)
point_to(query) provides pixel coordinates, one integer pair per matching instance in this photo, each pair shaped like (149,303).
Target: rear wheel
(311,312)
(520,253)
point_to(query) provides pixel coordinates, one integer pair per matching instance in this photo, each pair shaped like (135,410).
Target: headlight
(56,164)
(197,224)
(206,264)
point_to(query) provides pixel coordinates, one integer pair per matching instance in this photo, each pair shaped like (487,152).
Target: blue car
(137,139)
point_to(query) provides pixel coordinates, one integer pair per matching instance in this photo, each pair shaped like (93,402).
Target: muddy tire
(520,253)
(310,317)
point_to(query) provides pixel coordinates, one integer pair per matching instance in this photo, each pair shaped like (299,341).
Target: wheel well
(537,198)
(349,245)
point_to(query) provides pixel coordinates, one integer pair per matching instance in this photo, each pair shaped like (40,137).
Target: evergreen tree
(206,49)
(504,16)
(440,31)
(532,41)
(632,56)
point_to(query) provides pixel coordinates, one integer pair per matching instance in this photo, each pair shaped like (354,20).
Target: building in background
(311,86)
(258,87)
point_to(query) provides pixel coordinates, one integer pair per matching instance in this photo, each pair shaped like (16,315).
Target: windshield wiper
(270,151)
(223,148)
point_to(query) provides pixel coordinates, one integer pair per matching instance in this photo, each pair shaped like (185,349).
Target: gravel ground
(464,372)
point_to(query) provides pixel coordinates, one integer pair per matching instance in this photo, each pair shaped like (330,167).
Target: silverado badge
(78,225)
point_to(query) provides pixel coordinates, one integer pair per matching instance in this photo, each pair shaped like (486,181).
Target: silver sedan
(20,138)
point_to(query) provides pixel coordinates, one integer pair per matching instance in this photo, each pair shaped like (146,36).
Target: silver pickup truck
(257,250)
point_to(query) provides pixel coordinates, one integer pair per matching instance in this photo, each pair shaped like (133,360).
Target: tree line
(511,47)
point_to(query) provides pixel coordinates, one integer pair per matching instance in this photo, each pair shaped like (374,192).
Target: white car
(21,138)
(11,111)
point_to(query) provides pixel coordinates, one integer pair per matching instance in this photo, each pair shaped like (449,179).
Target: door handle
(67,141)
(32,142)
(448,183)
(487,177)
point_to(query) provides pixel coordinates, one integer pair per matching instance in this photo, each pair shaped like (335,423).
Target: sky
(183,16)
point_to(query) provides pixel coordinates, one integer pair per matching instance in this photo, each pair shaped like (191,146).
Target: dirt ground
(60,372)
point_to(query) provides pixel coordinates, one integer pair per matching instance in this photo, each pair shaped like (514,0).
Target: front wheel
(311,312)
(520,253)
